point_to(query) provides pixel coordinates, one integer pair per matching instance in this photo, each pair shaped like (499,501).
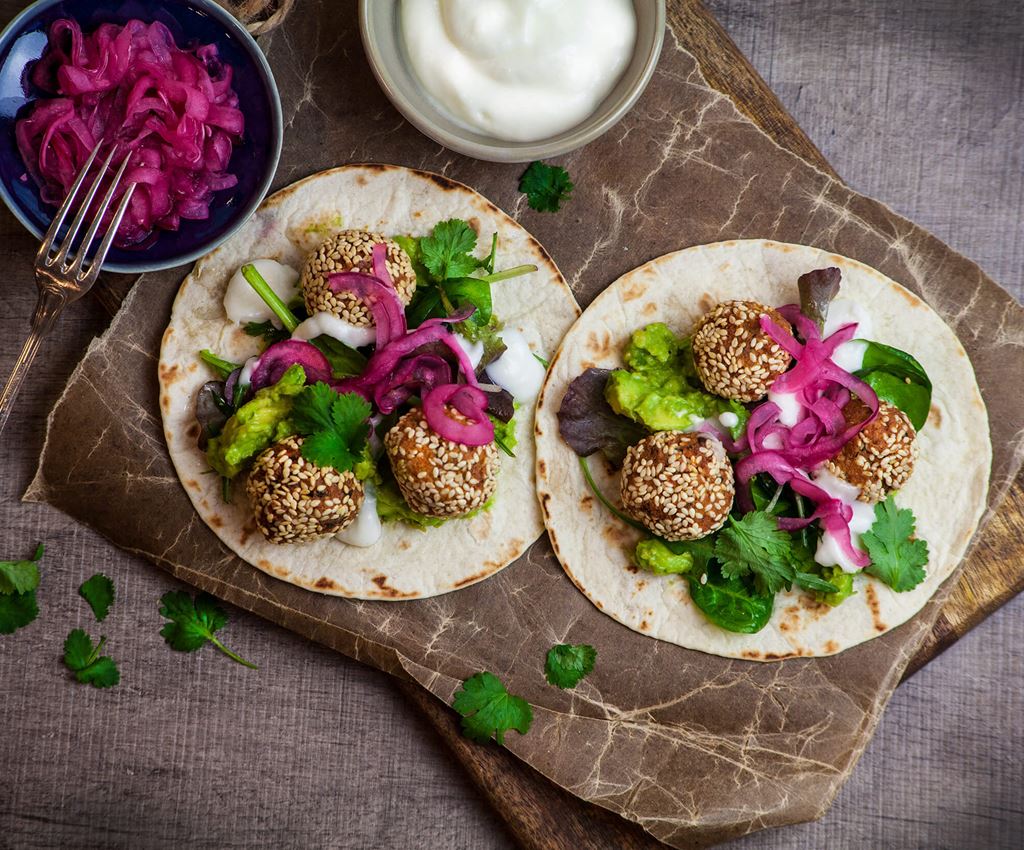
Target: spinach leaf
(896,377)
(730,604)
(345,360)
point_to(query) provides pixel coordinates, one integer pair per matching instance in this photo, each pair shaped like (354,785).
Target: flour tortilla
(406,563)
(947,491)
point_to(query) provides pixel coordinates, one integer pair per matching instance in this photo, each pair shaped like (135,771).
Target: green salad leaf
(345,360)
(488,710)
(727,602)
(897,377)
(546,187)
(897,557)
(85,661)
(98,591)
(567,664)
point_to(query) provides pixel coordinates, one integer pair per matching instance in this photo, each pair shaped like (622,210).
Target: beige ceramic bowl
(379,24)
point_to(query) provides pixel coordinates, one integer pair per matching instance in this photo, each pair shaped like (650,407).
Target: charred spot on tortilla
(633,289)
(874,607)
(935,416)
(324,583)
(542,467)
(650,308)
(831,647)
(169,374)
(600,345)
(194,431)
(387,590)
(587,503)
(216,521)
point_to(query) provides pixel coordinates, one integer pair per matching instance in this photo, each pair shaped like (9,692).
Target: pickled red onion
(172,112)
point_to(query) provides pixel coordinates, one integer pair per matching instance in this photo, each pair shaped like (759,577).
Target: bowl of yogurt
(513,80)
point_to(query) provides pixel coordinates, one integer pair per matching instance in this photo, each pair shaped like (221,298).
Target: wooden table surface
(921,107)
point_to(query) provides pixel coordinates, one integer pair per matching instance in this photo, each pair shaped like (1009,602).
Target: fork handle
(47,310)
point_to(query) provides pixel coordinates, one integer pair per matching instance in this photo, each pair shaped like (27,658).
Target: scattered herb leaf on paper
(488,710)
(567,664)
(546,187)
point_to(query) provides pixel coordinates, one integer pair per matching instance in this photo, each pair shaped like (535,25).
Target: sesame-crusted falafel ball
(679,485)
(352,251)
(734,357)
(296,501)
(438,477)
(881,457)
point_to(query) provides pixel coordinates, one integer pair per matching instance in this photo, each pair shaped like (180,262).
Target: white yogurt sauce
(519,70)
(829,553)
(241,302)
(366,529)
(327,324)
(849,355)
(790,409)
(517,370)
(474,350)
(245,376)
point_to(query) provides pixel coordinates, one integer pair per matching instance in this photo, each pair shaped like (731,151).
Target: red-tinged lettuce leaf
(588,424)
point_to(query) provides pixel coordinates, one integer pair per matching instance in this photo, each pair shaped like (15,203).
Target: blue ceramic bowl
(254,161)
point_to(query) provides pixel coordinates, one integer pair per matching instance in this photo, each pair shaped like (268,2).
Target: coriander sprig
(193,623)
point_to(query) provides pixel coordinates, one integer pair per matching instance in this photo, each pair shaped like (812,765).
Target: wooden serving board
(542,816)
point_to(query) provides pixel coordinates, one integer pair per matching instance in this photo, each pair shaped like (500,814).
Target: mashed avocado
(654,556)
(660,389)
(836,577)
(256,425)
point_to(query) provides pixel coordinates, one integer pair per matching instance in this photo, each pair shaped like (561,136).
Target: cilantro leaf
(17,610)
(488,710)
(18,583)
(546,187)
(85,661)
(897,557)
(20,576)
(98,591)
(333,424)
(266,331)
(447,252)
(567,664)
(193,623)
(755,545)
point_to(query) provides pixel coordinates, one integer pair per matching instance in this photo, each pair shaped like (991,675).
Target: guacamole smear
(837,578)
(659,387)
(256,425)
(655,557)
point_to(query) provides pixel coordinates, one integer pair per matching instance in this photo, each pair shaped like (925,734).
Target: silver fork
(63,278)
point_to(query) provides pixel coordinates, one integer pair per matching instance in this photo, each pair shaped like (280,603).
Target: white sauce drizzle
(517,370)
(474,350)
(245,376)
(366,529)
(241,302)
(729,420)
(829,553)
(327,324)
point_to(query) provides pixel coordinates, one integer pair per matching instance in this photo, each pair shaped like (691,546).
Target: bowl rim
(233,25)
(542,149)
